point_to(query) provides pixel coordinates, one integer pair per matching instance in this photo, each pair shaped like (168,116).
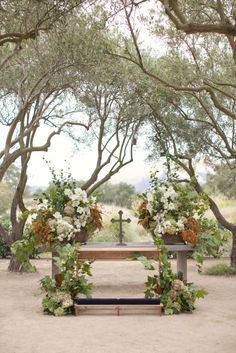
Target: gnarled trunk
(233,250)
(55,269)
(18,204)
(15,265)
(17,234)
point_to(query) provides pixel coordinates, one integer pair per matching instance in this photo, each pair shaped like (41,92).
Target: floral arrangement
(61,292)
(175,208)
(77,212)
(60,214)
(176,295)
(172,208)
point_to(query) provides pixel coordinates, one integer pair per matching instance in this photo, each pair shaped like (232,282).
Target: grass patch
(45,255)
(221,270)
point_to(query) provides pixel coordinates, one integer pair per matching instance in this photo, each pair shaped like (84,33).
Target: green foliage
(121,194)
(223,181)
(12,176)
(24,249)
(61,292)
(6,194)
(55,194)
(5,249)
(176,295)
(148,264)
(211,241)
(221,270)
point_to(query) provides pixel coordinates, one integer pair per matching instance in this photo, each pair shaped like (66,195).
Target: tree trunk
(15,265)
(18,203)
(17,234)
(233,250)
(55,269)
(215,209)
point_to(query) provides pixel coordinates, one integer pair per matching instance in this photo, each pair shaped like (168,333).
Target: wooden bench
(118,303)
(111,252)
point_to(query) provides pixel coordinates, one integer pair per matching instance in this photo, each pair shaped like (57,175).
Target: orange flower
(39,238)
(145,221)
(193,224)
(37,225)
(47,229)
(189,235)
(59,279)
(97,217)
(142,206)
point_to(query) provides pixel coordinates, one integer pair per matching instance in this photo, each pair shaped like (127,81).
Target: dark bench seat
(118,304)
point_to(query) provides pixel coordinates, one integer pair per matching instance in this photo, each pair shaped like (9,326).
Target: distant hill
(36,188)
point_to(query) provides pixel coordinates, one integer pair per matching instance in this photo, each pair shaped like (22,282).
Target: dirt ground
(25,329)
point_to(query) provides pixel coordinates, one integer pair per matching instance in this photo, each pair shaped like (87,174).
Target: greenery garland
(176,295)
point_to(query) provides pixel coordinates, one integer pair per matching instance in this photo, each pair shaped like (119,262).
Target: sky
(63,155)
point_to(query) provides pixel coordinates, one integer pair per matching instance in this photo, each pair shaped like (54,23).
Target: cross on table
(121,221)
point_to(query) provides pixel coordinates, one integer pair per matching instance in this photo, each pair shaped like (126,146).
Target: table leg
(182,263)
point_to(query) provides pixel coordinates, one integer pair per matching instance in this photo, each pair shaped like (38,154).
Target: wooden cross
(121,221)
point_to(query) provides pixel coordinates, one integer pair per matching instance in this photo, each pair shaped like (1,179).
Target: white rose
(57,215)
(68,192)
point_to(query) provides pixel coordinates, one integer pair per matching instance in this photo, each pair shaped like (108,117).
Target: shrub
(221,270)
(4,249)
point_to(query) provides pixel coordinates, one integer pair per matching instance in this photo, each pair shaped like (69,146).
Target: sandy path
(24,329)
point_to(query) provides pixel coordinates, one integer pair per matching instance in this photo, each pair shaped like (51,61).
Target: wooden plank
(81,307)
(115,253)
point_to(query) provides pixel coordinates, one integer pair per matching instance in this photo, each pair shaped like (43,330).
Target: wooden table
(111,252)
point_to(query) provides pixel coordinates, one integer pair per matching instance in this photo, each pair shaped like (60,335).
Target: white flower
(80,194)
(57,215)
(61,237)
(180,225)
(32,217)
(68,193)
(149,207)
(178,284)
(68,219)
(183,219)
(80,210)
(164,199)
(162,188)
(67,303)
(169,226)
(75,203)
(171,206)
(166,205)
(196,215)
(79,191)
(52,223)
(77,224)
(64,229)
(150,196)
(158,231)
(170,192)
